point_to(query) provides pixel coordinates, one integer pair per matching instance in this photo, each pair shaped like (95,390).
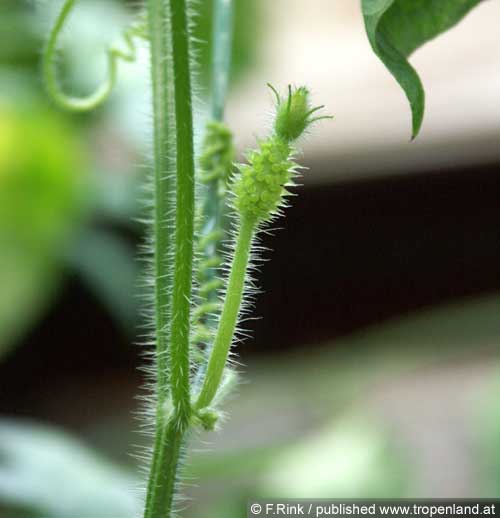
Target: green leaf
(43,199)
(44,470)
(396,28)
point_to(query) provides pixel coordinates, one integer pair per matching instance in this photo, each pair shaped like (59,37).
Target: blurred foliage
(42,199)
(41,175)
(49,474)
(53,185)
(352,457)
(51,193)
(22,33)
(485,420)
(20,37)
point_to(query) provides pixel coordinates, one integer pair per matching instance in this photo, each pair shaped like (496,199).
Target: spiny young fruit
(261,186)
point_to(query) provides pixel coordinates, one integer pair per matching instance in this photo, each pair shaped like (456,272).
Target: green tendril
(217,155)
(216,162)
(114,54)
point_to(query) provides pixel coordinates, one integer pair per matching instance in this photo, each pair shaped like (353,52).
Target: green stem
(184,220)
(222,35)
(229,316)
(161,505)
(171,430)
(163,187)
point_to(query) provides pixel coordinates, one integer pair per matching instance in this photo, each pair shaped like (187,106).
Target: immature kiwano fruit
(261,186)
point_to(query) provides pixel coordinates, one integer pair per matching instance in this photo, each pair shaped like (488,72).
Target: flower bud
(292,115)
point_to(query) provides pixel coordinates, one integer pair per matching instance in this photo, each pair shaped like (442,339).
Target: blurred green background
(374,371)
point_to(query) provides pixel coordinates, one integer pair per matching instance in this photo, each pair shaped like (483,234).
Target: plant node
(207,417)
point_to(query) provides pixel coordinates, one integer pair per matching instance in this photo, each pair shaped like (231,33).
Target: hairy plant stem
(163,193)
(171,426)
(168,455)
(184,220)
(229,315)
